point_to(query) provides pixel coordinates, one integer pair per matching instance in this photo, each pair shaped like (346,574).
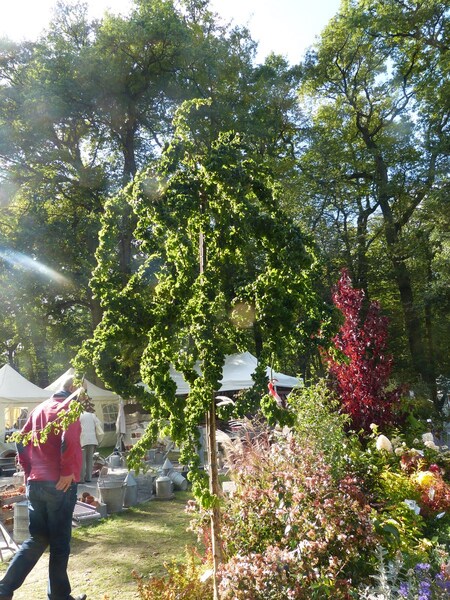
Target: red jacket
(60,454)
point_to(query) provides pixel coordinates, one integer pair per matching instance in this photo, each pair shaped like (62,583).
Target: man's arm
(64,482)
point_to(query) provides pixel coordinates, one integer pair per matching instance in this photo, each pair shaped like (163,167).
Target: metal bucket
(131,491)
(164,488)
(112,494)
(115,461)
(179,482)
(21,532)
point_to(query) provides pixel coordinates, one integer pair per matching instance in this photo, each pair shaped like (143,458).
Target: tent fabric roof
(94,392)
(238,369)
(237,375)
(16,388)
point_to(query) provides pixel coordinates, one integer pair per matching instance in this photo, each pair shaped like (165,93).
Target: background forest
(350,149)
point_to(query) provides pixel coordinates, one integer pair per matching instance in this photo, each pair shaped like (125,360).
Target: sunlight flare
(17,259)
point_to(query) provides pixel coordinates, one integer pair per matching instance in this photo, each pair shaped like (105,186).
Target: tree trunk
(214,485)
(39,344)
(392,228)
(412,321)
(429,333)
(214,488)
(128,218)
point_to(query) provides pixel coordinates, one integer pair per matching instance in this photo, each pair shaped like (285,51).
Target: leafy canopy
(199,300)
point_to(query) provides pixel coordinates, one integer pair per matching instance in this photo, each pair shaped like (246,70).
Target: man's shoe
(6,597)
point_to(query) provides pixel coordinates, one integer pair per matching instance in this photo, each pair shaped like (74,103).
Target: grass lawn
(142,538)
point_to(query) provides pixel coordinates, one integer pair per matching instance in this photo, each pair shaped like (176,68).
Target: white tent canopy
(106,404)
(17,395)
(94,392)
(238,369)
(237,375)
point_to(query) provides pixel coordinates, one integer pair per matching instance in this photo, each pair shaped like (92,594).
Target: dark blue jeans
(50,523)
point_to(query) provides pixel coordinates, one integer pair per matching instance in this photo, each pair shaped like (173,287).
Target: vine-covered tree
(218,257)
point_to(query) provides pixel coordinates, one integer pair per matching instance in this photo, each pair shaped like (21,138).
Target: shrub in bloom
(275,574)
(383,443)
(425,478)
(410,460)
(410,497)
(290,524)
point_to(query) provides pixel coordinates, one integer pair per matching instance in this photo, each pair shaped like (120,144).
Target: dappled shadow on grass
(141,538)
(104,554)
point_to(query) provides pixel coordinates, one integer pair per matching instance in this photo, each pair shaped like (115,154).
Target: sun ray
(17,259)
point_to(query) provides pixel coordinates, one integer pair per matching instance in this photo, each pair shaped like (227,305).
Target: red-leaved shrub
(363,374)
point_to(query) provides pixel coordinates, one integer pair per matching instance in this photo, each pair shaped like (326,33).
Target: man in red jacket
(51,470)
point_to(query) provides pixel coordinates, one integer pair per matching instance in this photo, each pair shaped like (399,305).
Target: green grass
(104,554)
(106,451)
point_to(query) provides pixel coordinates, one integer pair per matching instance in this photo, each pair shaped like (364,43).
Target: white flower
(399,451)
(412,504)
(430,444)
(427,437)
(383,443)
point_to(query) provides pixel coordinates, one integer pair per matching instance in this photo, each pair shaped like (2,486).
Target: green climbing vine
(62,421)
(181,304)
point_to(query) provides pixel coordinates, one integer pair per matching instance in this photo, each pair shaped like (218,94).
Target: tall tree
(52,186)
(379,74)
(89,104)
(81,111)
(199,220)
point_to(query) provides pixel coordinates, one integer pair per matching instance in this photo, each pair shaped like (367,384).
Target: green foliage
(275,414)
(403,531)
(184,581)
(61,423)
(320,423)
(378,140)
(396,486)
(288,509)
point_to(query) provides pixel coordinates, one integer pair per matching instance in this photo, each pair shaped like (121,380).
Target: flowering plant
(412,499)
(393,582)
(290,529)
(435,493)
(427,479)
(421,584)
